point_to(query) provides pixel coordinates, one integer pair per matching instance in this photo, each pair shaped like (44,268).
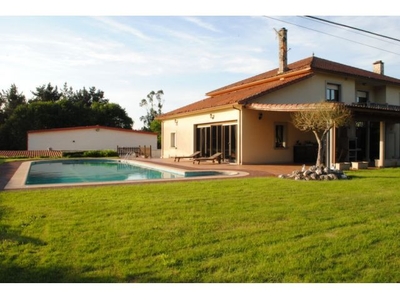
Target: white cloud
(202,24)
(120,27)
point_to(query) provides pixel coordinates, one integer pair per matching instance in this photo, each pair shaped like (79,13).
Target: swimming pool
(53,173)
(22,180)
(91,170)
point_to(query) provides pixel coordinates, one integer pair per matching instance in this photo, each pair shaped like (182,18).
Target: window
(362,97)
(280,135)
(173,139)
(332,92)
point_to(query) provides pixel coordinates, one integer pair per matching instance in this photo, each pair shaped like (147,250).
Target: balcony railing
(381,106)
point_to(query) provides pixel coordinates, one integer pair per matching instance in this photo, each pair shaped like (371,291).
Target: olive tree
(320,118)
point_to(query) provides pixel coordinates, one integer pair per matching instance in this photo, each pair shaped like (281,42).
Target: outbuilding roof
(95,127)
(244,91)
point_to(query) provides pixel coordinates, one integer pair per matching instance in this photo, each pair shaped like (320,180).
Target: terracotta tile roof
(334,67)
(282,107)
(244,91)
(92,127)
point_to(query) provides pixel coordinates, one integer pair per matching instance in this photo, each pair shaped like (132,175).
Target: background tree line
(52,108)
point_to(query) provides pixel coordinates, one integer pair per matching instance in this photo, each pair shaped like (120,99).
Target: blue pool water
(92,170)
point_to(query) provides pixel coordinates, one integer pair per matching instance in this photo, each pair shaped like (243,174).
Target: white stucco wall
(184,129)
(311,90)
(89,138)
(259,137)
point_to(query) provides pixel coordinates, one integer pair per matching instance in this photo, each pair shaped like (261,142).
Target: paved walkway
(253,170)
(7,170)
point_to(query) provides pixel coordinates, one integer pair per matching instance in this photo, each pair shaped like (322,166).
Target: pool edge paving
(17,181)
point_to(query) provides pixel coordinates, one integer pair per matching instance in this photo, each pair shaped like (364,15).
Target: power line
(359,33)
(354,28)
(339,37)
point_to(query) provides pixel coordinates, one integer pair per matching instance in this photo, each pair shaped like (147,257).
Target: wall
(311,90)
(91,138)
(184,129)
(259,137)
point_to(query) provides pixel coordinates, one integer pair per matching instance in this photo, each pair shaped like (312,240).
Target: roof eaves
(323,65)
(91,127)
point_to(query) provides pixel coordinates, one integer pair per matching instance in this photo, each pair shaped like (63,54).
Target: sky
(127,52)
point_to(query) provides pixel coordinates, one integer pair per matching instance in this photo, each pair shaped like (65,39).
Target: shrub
(73,154)
(92,153)
(100,153)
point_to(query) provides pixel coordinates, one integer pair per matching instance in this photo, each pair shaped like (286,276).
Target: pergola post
(382,133)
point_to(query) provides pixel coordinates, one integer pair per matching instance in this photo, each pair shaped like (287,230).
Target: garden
(247,230)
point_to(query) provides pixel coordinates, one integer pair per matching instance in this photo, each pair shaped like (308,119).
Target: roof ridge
(295,66)
(281,76)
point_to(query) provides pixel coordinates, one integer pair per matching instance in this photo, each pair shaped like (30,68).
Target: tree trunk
(319,153)
(320,140)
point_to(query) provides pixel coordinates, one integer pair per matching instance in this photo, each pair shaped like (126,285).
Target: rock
(315,173)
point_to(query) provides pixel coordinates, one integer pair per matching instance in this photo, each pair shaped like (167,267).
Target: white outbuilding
(89,138)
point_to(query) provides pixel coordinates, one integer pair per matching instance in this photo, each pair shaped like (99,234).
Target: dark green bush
(100,153)
(73,154)
(92,153)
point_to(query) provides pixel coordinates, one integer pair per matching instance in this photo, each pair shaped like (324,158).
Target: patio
(253,170)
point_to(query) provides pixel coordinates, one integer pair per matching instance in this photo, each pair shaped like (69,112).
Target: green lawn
(237,230)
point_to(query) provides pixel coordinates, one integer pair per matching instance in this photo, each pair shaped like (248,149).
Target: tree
(67,92)
(53,109)
(46,94)
(110,114)
(153,105)
(9,101)
(155,126)
(320,119)
(88,97)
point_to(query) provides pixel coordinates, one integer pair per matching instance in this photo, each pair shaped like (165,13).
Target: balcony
(378,106)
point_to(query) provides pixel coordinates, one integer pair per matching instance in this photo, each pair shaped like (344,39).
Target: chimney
(282,35)
(378,67)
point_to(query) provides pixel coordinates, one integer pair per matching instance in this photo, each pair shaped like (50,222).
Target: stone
(315,173)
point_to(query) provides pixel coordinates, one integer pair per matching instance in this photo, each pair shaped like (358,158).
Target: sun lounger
(197,153)
(215,157)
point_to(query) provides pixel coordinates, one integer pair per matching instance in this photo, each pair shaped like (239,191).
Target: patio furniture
(215,157)
(197,153)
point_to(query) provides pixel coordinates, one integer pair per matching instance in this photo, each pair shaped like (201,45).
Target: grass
(237,230)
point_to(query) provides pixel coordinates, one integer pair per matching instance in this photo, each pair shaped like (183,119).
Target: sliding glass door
(211,139)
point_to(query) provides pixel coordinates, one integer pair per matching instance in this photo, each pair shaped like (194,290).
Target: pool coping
(18,180)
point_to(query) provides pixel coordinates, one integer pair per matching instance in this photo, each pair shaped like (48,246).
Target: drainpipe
(368,142)
(332,147)
(328,149)
(240,132)
(162,139)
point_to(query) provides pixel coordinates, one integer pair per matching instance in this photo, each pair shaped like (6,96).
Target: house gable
(246,91)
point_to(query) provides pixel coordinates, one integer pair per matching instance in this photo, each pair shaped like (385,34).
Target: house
(250,121)
(89,138)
